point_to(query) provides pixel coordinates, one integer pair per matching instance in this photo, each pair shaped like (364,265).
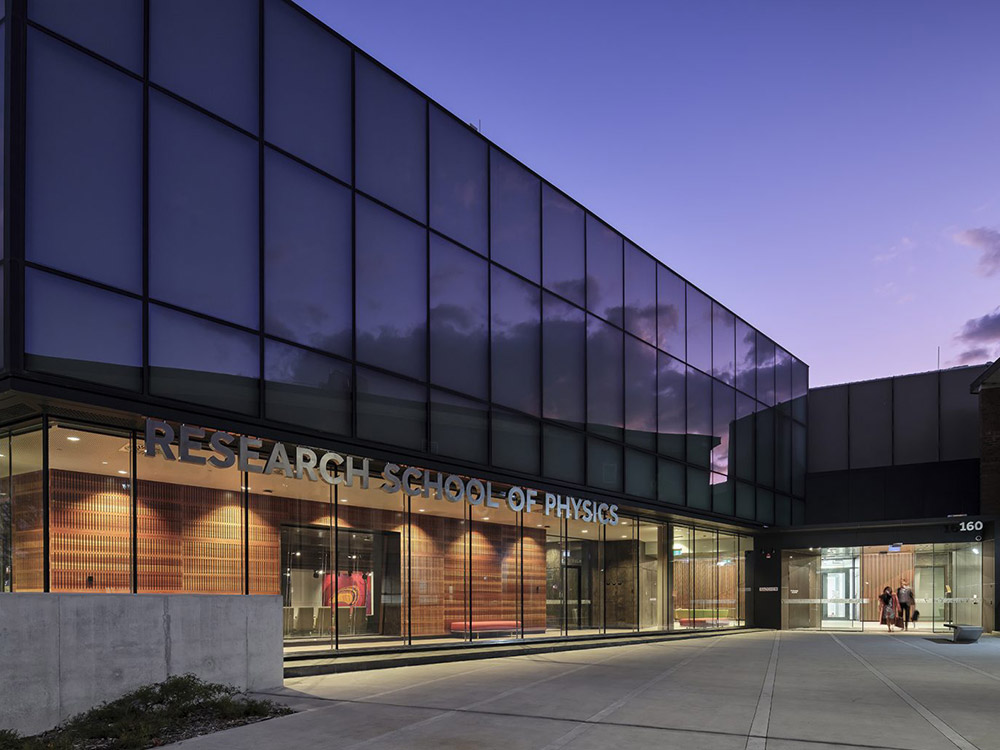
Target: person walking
(907,600)
(887,602)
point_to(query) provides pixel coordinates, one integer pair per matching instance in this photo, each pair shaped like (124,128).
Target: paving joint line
(757,736)
(933,719)
(948,658)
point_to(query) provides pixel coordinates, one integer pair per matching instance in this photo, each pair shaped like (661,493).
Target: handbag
(915,616)
(898,622)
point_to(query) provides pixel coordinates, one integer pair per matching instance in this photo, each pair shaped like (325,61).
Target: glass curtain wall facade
(86,509)
(837,588)
(252,219)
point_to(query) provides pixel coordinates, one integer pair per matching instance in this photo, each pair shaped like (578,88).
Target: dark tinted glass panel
(391,290)
(640,474)
(671,406)
(307,389)
(391,410)
(782,510)
(207,52)
(516,322)
(746,358)
(515,222)
(640,393)
(915,419)
(783,453)
(783,379)
(743,438)
(800,387)
(563,454)
(84,166)
(699,491)
(765,370)
(515,442)
(765,446)
(959,415)
(390,140)
(870,409)
(307,256)
(604,465)
(699,417)
(670,482)
(723,498)
(563,361)
(459,318)
(746,502)
(723,344)
(798,512)
(562,246)
(604,271)
(723,412)
(3,308)
(203,246)
(112,28)
(605,407)
(640,294)
(671,312)
(3,93)
(307,89)
(798,460)
(699,330)
(202,362)
(765,506)
(458,181)
(82,332)
(828,429)
(459,427)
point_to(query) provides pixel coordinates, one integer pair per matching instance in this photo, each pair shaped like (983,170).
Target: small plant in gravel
(153,715)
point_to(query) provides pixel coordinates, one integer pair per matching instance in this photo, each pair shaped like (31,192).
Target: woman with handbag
(888,607)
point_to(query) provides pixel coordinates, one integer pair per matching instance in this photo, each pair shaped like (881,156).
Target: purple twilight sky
(828,170)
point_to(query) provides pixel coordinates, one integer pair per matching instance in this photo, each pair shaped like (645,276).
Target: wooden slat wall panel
(879,571)
(27,537)
(534,582)
(90,532)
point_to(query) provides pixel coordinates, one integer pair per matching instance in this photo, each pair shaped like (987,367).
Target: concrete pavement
(751,691)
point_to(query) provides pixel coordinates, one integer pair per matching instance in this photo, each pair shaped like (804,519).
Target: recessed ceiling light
(624,536)
(73,439)
(486,518)
(422,510)
(584,531)
(343,499)
(540,525)
(122,471)
(104,463)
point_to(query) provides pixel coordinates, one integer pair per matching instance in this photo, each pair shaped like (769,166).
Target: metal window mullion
(46,508)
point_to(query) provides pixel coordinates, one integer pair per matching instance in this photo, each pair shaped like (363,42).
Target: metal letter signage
(244,453)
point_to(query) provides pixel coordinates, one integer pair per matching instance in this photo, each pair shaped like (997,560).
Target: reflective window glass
(515,222)
(783,453)
(604,271)
(640,474)
(202,362)
(83,210)
(605,407)
(390,139)
(82,332)
(563,361)
(307,89)
(699,491)
(459,287)
(765,369)
(800,387)
(515,442)
(563,246)
(203,241)
(207,52)
(743,437)
(765,506)
(699,330)
(27,514)
(746,358)
(307,389)
(783,379)
(671,406)
(111,28)
(798,460)
(563,454)
(307,256)
(723,409)
(640,394)
(670,482)
(699,417)
(391,290)
(640,294)
(746,503)
(458,181)
(516,327)
(459,427)
(723,497)
(391,410)
(765,445)
(723,344)
(782,510)
(604,465)
(671,312)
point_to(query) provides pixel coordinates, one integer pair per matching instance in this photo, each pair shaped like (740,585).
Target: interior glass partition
(682,577)
(621,556)
(653,576)
(582,564)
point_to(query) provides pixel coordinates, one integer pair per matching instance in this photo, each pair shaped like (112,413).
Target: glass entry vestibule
(86,509)
(838,588)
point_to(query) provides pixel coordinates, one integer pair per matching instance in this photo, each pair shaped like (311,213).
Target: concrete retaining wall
(65,653)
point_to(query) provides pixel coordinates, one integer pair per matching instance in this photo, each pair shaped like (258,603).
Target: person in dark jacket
(907,601)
